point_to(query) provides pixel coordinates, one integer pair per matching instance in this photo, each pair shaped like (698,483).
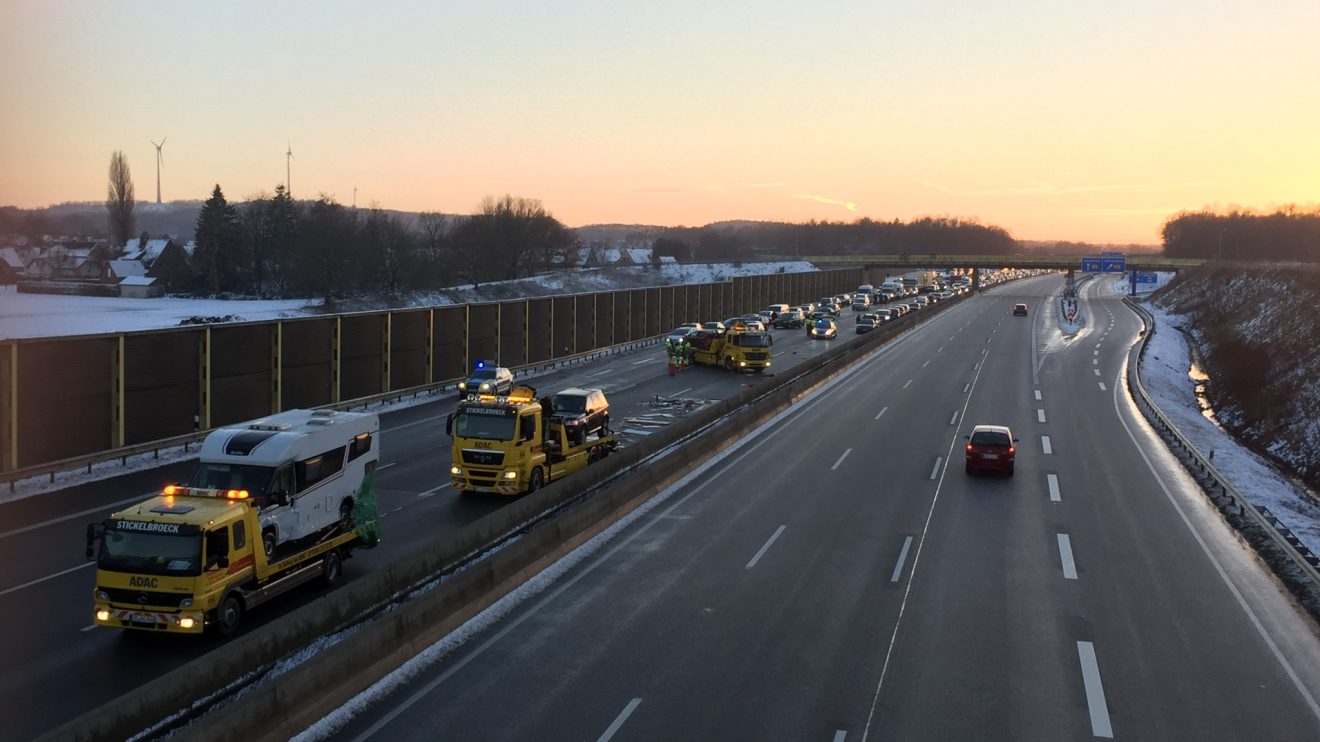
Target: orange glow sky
(1078,120)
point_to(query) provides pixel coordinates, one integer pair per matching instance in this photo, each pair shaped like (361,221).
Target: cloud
(1045,189)
(849,205)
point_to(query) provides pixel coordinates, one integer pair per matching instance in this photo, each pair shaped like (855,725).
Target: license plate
(142,618)
(989,455)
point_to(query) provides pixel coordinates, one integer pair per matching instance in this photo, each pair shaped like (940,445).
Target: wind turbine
(160,158)
(288,179)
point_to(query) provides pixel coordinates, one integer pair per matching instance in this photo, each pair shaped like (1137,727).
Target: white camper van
(303,469)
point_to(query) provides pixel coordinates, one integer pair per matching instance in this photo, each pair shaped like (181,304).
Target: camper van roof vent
(276,427)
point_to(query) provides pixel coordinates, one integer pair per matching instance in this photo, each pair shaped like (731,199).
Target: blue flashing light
(481,365)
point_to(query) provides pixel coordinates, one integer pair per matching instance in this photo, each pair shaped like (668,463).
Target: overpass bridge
(1047,262)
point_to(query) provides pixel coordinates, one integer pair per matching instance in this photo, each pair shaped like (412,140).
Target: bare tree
(119,202)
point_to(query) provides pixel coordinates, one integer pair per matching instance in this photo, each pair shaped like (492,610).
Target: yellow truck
(737,349)
(192,559)
(514,444)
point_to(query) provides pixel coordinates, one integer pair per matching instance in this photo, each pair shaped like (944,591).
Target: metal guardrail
(1052,262)
(1228,496)
(87,461)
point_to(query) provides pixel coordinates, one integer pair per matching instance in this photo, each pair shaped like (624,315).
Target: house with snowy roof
(140,287)
(70,260)
(162,259)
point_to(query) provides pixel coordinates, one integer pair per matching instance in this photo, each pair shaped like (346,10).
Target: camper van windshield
(491,425)
(254,479)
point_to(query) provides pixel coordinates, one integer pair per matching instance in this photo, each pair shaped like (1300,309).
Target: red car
(990,448)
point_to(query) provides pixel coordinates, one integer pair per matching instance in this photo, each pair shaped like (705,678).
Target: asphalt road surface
(839,577)
(58,665)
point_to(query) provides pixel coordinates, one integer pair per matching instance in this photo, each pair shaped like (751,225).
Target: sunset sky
(1056,120)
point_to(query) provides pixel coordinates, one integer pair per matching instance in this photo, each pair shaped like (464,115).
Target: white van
(303,469)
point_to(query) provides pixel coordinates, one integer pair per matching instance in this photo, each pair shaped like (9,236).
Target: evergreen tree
(218,242)
(279,235)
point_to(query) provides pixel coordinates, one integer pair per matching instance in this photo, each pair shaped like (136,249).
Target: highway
(68,666)
(838,576)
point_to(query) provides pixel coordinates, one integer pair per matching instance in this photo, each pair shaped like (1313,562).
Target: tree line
(1289,234)
(923,236)
(278,247)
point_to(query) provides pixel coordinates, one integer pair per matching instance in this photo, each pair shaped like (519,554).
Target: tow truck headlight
(455,471)
(511,474)
(186,622)
(102,595)
(103,615)
(462,386)
(742,363)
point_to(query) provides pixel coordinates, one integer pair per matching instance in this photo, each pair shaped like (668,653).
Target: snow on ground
(1164,374)
(48,315)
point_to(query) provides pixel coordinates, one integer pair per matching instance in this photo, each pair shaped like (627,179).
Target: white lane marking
(1045,445)
(1097,371)
(40,580)
(987,340)
(765,547)
(1052,480)
(1066,557)
(907,591)
(1095,361)
(839,735)
(1095,692)
(644,360)
(776,355)
(383,467)
(108,507)
(1037,395)
(954,418)
(842,456)
(600,373)
(882,411)
(1097,345)
(682,391)
(936,470)
(88,628)
(619,720)
(431,491)
(909,383)
(927,363)
(967,387)
(940,349)
(1302,690)
(902,558)
(1102,386)
(1040,415)
(1095,352)
(951,337)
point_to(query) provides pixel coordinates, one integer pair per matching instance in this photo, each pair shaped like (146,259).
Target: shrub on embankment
(1258,329)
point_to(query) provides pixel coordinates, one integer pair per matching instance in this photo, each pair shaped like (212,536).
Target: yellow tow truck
(191,559)
(513,444)
(737,349)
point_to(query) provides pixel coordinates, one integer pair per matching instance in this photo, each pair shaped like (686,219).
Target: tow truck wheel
(594,454)
(228,615)
(537,479)
(332,569)
(268,542)
(728,364)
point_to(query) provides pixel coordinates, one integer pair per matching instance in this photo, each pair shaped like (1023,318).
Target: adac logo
(143,582)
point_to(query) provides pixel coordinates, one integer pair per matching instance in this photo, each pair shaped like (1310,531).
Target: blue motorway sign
(1090,265)
(1146,278)
(1113,265)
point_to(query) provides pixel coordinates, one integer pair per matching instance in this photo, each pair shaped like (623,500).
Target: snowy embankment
(48,315)
(1164,372)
